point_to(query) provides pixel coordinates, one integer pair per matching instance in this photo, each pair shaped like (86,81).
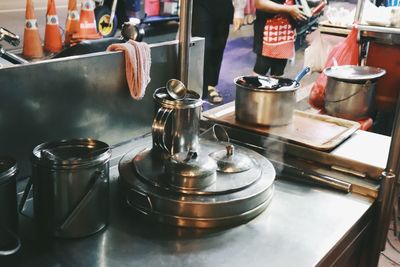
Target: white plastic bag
(316,54)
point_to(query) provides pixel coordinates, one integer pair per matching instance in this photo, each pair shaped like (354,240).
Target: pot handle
(302,73)
(83,202)
(216,133)
(158,127)
(364,87)
(21,205)
(8,234)
(139,201)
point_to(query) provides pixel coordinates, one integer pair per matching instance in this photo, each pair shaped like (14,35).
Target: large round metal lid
(72,152)
(8,167)
(354,73)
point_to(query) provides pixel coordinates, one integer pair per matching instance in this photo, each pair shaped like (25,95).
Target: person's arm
(292,10)
(238,16)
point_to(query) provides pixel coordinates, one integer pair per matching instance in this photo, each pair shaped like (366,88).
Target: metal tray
(321,132)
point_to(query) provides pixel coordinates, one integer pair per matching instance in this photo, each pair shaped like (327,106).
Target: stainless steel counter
(303,226)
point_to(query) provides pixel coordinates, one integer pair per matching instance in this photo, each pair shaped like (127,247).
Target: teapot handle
(158,127)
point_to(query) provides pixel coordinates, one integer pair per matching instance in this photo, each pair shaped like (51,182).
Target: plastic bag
(344,53)
(316,54)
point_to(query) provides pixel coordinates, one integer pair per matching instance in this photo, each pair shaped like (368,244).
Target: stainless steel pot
(266,101)
(70,187)
(350,91)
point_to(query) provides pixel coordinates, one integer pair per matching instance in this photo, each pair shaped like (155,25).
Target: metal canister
(71,187)
(9,240)
(8,194)
(176,124)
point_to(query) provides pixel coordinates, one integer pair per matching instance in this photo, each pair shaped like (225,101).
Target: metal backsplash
(83,96)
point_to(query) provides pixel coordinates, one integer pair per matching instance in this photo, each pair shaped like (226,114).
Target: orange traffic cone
(32,45)
(52,34)
(87,23)
(72,24)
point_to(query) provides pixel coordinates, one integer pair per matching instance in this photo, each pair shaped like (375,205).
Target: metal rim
(8,168)
(266,91)
(344,73)
(191,100)
(208,222)
(97,152)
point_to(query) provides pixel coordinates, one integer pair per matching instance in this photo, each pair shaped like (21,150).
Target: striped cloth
(137,66)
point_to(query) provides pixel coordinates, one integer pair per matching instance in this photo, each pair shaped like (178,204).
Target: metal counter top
(386,35)
(299,228)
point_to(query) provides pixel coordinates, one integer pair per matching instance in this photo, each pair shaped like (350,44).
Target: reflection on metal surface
(80,96)
(387,192)
(102,262)
(290,221)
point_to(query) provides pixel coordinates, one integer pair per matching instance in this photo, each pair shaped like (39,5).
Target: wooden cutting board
(320,132)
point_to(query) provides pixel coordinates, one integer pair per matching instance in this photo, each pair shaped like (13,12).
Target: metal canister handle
(17,242)
(139,201)
(25,195)
(97,177)
(158,127)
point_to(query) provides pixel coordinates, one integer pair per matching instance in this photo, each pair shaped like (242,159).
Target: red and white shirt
(279,36)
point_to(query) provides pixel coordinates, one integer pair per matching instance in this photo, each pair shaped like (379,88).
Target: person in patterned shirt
(274,35)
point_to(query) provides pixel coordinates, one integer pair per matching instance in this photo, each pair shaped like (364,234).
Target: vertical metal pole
(359,9)
(387,191)
(185,32)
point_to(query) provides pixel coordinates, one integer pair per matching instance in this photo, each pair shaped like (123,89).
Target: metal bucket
(350,91)
(71,187)
(9,241)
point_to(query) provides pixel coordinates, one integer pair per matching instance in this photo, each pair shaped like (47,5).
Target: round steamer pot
(262,102)
(350,91)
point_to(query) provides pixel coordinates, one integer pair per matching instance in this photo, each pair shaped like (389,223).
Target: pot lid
(229,161)
(73,152)
(354,73)
(190,165)
(8,167)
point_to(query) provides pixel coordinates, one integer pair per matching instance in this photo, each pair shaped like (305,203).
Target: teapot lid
(229,161)
(188,164)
